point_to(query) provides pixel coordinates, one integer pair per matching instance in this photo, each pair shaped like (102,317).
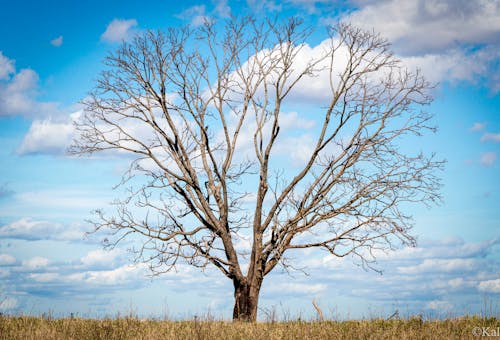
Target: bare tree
(202,114)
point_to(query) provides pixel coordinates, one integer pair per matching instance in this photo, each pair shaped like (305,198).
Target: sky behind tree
(50,55)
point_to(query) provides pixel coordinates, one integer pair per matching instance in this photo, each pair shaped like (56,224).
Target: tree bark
(246,299)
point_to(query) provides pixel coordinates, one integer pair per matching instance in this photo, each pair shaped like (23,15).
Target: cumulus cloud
(7,259)
(440,265)
(8,303)
(119,30)
(16,95)
(259,6)
(57,41)
(297,149)
(430,26)
(94,277)
(447,248)
(198,14)
(477,127)
(63,199)
(29,229)
(35,263)
(121,276)
(295,142)
(113,277)
(456,66)
(222,8)
(6,67)
(488,158)
(490,286)
(48,136)
(310,5)
(18,91)
(491,137)
(101,258)
(439,305)
(424,278)
(44,277)
(449,40)
(298,288)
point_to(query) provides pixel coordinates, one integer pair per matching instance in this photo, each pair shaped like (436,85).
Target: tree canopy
(208,117)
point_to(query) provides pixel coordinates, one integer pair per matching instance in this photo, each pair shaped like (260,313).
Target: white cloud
(478,127)
(430,290)
(44,277)
(259,6)
(455,65)
(428,275)
(196,14)
(222,8)
(310,262)
(119,30)
(439,305)
(45,203)
(449,40)
(298,288)
(6,259)
(100,257)
(488,158)
(16,96)
(120,275)
(57,41)
(313,87)
(448,248)
(112,277)
(48,136)
(452,66)
(35,263)
(298,149)
(294,141)
(6,67)
(457,282)
(18,91)
(493,137)
(490,286)
(8,303)
(242,242)
(309,5)
(293,119)
(430,25)
(439,265)
(29,229)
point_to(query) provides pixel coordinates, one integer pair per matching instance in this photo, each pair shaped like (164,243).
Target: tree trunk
(246,299)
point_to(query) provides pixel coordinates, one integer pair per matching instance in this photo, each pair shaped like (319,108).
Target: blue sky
(50,53)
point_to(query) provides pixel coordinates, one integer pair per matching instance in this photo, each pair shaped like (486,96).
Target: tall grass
(26,327)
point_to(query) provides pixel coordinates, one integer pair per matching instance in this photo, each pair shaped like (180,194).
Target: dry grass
(25,327)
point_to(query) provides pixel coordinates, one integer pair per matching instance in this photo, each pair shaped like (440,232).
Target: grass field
(25,327)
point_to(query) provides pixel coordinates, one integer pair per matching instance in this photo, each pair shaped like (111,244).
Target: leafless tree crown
(201,112)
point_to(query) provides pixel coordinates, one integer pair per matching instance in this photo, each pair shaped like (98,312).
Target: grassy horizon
(130,327)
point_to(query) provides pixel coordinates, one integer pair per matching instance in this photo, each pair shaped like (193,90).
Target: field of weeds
(26,327)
